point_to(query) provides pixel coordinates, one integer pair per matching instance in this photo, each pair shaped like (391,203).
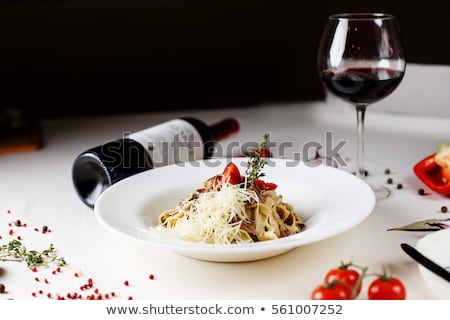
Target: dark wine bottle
(174,141)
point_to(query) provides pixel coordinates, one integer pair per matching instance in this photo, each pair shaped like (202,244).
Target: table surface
(36,188)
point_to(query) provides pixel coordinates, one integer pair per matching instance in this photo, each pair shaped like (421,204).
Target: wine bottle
(174,141)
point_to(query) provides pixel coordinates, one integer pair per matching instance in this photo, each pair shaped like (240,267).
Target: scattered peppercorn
(12,231)
(387,171)
(390,181)
(421,192)
(444,209)
(399,186)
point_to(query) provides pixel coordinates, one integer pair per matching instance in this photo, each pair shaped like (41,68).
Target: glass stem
(360,113)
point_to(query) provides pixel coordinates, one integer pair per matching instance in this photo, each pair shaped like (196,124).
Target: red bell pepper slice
(430,173)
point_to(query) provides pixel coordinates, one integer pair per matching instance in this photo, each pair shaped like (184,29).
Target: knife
(426,262)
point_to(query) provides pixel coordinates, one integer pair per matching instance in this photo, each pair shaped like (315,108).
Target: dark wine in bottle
(174,141)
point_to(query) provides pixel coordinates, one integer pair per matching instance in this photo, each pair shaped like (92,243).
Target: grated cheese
(209,218)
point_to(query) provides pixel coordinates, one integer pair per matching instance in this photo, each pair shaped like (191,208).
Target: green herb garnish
(256,163)
(16,251)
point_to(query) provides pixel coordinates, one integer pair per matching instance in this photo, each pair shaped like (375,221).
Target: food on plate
(232,208)
(434,170)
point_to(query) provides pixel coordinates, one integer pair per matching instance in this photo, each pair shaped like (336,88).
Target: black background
(86,57)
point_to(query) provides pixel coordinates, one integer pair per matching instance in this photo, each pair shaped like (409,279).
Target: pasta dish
(231,209)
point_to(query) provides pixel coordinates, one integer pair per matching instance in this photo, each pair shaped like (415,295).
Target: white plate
(330,201)
(436,246)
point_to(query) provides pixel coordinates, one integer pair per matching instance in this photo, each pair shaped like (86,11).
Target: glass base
(381,192)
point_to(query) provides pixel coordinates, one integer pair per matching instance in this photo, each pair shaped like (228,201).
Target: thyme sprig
(16,251)
(256,163)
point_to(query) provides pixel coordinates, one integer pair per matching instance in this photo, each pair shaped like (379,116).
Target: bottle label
(171,142)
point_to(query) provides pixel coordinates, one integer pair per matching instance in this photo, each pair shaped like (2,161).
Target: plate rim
(437,286)
(199,250)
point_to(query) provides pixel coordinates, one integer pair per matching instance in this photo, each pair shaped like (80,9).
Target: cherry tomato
(346,275)
(265,153)
(265,185)
(386,288)
(336,290)
(231,174)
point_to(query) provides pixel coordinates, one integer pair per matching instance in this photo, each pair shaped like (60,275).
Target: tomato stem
(385,275)
(346,265)
(358,284)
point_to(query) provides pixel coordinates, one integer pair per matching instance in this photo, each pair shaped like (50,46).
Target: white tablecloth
(37,189)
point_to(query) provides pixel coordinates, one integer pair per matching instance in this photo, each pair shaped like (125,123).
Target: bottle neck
(224,129)
(213,133)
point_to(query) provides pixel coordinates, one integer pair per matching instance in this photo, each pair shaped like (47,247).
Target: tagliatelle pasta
(228,213)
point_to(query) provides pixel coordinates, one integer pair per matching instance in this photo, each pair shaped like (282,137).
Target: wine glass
(361,60)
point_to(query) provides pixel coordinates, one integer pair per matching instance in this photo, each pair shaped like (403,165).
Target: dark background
(87,57)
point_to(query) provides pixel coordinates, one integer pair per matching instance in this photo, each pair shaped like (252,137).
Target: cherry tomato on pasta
(231,174)
(265,185)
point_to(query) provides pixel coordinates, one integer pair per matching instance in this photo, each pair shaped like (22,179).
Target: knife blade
(426,262)
(425,225)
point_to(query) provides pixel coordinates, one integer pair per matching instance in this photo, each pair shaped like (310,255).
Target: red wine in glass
(361,84)
(361,60)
